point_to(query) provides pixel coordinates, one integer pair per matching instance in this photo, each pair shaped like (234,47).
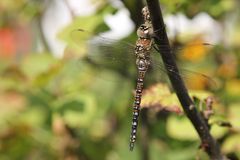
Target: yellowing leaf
(159,97)
(194,50)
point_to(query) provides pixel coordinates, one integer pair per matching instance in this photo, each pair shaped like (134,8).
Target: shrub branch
(208,143)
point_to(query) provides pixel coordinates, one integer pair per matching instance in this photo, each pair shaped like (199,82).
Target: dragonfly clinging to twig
(140,52)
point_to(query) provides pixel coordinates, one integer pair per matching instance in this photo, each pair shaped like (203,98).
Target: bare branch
(208,142)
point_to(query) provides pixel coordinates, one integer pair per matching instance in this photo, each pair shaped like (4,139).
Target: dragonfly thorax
(143,45)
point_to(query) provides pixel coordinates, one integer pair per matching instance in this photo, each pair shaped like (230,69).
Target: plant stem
(208,142)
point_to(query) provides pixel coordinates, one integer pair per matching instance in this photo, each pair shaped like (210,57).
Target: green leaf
(218,131)
(181,128)
(35,116)
(231,144)
(76,109)
(158,147)
(233,88)
(234,115)
(200,94)
(36,64)
(75,38)
(43,78)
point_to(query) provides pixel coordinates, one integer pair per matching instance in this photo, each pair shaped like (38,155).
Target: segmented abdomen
(136,108)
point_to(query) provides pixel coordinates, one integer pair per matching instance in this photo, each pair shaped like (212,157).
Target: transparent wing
(195,79)
(105,54)
(117,55)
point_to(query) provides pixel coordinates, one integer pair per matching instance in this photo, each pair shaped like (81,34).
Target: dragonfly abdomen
(136,109)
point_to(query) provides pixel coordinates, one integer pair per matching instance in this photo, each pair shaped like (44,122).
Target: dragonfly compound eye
(145,31)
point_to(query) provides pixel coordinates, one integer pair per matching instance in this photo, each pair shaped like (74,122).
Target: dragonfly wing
(116,55)
(108,54)
(188,75)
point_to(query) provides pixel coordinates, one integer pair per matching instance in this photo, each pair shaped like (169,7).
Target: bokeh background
(57,104)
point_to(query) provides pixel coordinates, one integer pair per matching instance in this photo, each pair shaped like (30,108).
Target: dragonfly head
(145,31)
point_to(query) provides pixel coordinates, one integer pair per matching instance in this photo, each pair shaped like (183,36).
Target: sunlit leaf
(231,144)
(234,115)
(218,131)
(181,128)
(159,97)
(36,64)
(217,118)
(182,153)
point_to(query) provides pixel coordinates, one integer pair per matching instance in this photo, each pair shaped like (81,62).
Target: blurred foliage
(71,108)
(216,8)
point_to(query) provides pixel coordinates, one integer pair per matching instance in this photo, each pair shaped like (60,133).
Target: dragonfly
(142,52)
(102,50)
